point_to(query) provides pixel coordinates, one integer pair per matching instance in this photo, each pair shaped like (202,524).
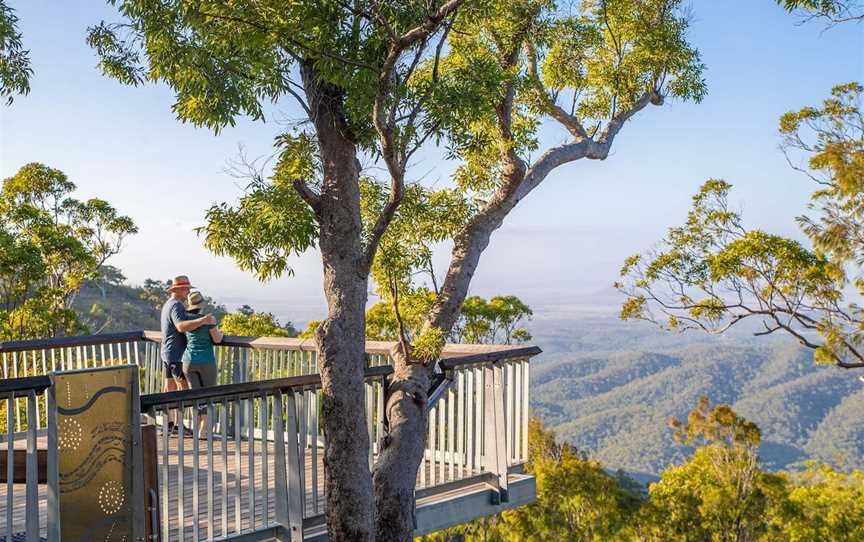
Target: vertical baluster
(281,482)
(250,409)
(314,466)
(32,472)
(210,468)
(517,412)
(380,414)
(223,429)
(479,409)
(15,375)
(295,467)
(53,361)
(433,420)
(5,365)
(102,353)
(368,398)
(238,472)
(460,423)
(44,372)
(11,411)
(265,467)
(508,414)
(442,432)
(181,461)
(451,433)
(526,406)
(166,471)
(302,417)
(469,420)
(195,465)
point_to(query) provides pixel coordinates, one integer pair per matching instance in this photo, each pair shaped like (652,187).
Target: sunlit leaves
(50,243)
(15,70)
(712,272)
(830,140)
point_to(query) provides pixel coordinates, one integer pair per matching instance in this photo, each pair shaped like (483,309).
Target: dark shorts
(200,375)
(173,369)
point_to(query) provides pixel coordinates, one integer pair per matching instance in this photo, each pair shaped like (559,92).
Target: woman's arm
(216,334)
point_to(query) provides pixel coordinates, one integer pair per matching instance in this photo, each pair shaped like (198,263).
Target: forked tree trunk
(395,473)
(341,336)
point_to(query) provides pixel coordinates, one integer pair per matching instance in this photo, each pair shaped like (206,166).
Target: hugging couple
(188,358)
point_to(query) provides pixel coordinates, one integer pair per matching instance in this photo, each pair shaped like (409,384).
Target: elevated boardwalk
(448,503)
(243,479)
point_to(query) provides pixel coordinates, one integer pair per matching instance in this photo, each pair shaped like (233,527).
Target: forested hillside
(611,387)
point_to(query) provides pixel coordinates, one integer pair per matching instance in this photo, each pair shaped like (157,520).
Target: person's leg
(207,374)
(169,384)
(175,369)
(196,378)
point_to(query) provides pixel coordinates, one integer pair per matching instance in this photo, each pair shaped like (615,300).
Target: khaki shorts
(200,375)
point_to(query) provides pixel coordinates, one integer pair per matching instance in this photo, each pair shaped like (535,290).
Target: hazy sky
(567,239)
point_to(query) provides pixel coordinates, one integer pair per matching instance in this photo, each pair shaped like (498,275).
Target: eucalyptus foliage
(50,243)
(15,70)
(713,272)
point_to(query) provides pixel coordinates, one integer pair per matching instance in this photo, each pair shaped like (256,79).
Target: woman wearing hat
(199,359)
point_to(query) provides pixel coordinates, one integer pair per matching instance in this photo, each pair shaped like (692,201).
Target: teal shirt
(199,346)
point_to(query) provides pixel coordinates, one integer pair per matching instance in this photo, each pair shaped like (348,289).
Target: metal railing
(478,420)
(250,466)
(22,466)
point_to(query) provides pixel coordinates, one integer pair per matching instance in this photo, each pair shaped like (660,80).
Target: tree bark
(341,336)
(395,474)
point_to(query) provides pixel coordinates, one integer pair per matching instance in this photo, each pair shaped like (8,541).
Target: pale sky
(565,241)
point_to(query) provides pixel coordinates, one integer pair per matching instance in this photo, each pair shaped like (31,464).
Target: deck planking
(224,512)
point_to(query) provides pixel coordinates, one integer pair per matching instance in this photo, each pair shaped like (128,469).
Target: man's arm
(184,326)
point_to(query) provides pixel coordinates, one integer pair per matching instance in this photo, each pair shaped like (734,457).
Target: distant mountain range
(610,387)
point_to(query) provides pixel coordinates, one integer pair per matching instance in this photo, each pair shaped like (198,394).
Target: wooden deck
(236,513)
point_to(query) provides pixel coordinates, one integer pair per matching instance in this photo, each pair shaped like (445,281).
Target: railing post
(32,470)
(53,482)
(494,434)
(139,504)
(151,480)
(295,487)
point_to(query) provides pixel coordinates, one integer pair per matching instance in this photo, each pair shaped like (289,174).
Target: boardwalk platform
(433,504)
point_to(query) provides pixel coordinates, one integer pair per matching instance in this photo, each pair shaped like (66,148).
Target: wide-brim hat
(180,281)
(194,301)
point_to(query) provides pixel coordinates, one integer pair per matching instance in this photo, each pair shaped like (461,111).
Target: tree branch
(617,122)
(570,122)
(308,195)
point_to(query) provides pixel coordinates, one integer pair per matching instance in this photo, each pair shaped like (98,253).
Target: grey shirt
(173,342)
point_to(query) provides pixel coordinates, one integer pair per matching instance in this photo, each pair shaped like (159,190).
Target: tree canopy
(713,272)
(15,70)
(50,243)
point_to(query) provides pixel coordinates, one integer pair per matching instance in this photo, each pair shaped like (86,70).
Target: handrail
(151,400)
(74,340)
(19,387)
(492,353)
(452,355)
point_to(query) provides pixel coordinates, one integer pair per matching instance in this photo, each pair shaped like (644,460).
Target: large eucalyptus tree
(377,81)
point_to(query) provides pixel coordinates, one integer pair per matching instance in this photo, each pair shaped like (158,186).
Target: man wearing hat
(175,322)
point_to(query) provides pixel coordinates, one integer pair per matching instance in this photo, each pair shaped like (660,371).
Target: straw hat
(194,301)
(180,281)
